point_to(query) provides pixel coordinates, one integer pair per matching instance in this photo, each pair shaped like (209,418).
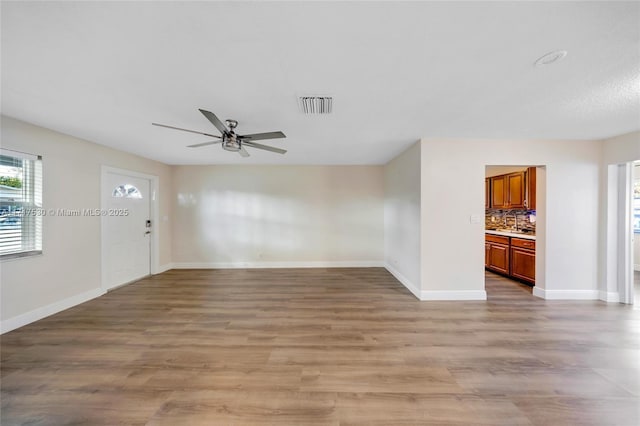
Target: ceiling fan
(231,141)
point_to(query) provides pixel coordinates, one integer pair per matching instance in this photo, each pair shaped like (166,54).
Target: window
(20,204)
(126,191)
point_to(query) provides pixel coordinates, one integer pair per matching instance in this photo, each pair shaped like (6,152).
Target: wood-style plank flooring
(321,347)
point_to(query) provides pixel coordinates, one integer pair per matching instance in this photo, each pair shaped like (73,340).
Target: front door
(126,228)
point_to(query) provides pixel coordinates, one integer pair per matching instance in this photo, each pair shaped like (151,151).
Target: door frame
(625,233)
(539,288)
(154,212)
(617,277)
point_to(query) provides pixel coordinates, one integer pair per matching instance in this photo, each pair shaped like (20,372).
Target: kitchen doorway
(514,202)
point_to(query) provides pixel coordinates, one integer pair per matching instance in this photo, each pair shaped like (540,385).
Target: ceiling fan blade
(203,144)
(243,152)
(185,130)
(265,147)
(215,121)
(260,136)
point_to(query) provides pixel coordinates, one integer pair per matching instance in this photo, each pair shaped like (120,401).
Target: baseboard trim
(403,280)
(609,296)
(436,295)
(45,311)
(566,294)
(164,268)
(538,292)
(442,295)
(259,265)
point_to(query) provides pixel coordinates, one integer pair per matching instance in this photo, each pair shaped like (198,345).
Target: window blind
(20,203)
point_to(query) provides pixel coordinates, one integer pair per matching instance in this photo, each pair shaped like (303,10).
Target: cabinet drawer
(520,242)
(496,239)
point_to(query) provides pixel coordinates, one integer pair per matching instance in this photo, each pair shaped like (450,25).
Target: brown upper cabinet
(531,188)
(515,190)
(508,191)
(512,191)
(498,193)
(487,193)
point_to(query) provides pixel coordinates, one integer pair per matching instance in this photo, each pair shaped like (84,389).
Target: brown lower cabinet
(515,257)
(523,259)
(497,253)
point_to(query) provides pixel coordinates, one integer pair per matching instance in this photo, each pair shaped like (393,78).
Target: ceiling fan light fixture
(231,143)
(233,147)
(316,104)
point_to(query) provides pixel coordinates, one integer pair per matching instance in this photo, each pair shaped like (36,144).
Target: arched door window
(126,191)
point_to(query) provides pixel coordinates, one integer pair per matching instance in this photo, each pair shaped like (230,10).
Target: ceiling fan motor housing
(230,142)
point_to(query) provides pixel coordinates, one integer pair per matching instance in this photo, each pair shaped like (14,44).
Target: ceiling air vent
(316,104)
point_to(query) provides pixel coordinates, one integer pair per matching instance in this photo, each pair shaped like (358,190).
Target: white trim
(538,292)
(154,211)
(636,266)
(403,280)
(625,233)
(303,264)
(45,311)
(611,241)
(566,294)
(19,154)
(164,268)
(433,295)
(609,296)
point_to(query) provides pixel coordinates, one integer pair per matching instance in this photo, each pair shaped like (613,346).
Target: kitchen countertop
(511,234)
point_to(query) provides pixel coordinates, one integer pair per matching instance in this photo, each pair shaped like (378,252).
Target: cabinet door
(531,188)
(516,189)
(499,258)
(499,192)
(487,246)
(487,194)
(523,264)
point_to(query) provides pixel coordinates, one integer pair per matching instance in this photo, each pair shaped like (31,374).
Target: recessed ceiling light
(550,58)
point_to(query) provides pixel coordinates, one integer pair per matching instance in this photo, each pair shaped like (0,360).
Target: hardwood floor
(321,347)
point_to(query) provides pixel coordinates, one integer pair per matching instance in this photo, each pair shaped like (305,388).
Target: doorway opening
(514,203)
(623,234)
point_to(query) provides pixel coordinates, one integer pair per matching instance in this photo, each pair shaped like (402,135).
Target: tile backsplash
(499,219)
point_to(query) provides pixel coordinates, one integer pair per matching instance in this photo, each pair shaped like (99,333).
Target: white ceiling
(103,71)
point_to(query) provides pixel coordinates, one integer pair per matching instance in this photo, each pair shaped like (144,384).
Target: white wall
(453,173)
(622,149)
(402,218)
(68,272)
(234,216)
